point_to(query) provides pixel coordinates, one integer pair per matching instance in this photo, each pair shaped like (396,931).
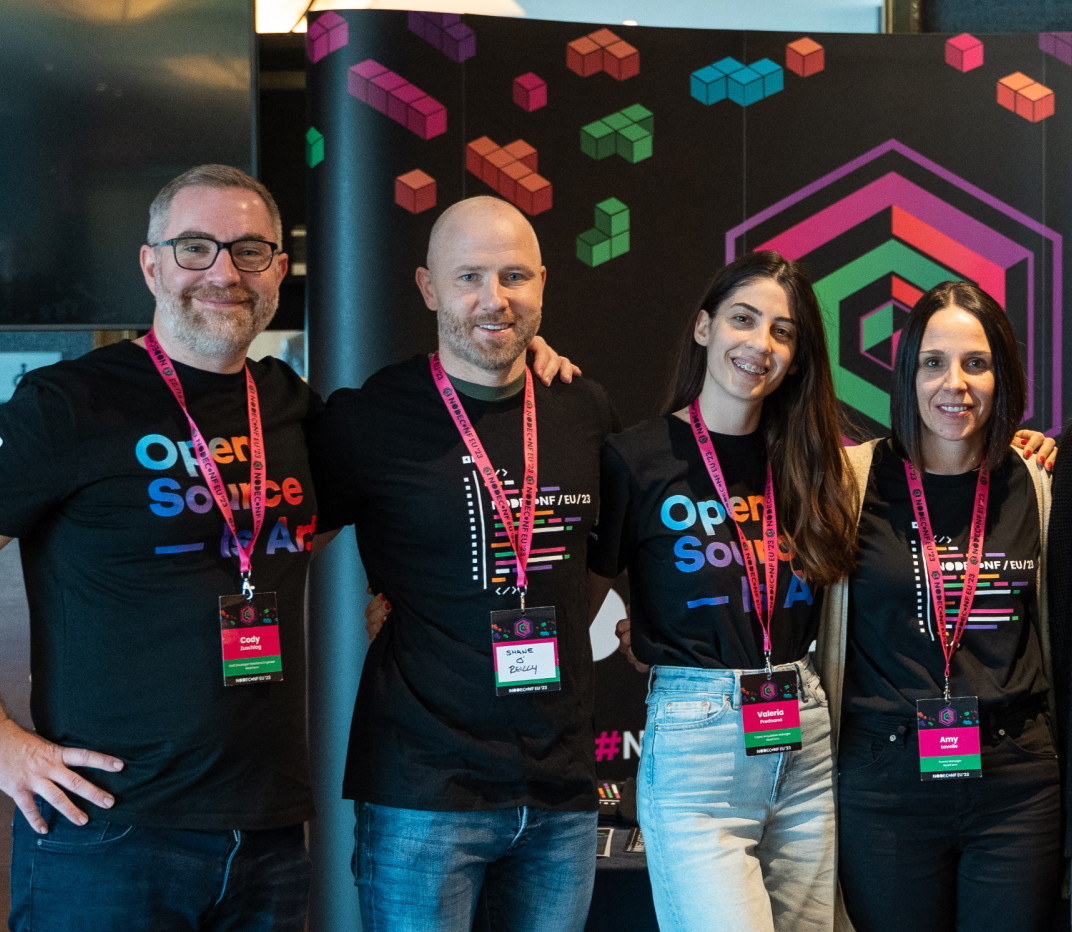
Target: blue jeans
(735,842)
(103,877)
(519,869)
(964,854)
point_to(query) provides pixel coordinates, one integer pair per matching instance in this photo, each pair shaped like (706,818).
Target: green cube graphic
(314,147)
(617,121)
(619,244)
(612,216)
(593,247)
(634,143)
(597,140)
(640,115)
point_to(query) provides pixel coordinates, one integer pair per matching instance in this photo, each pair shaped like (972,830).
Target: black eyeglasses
(197,253)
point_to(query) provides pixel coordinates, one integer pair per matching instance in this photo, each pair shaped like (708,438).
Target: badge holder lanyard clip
(770,701)
(249,622)
(948,728)
(525,640)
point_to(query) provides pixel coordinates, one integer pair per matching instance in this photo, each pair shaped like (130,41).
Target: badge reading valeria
(771,710)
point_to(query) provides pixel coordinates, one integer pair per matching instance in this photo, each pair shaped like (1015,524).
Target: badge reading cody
(249,629)
(771,712)
(525,648)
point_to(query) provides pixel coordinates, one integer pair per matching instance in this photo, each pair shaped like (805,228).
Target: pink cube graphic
(964,52)
(530,92)
(805,57)
(401,100)
(427,117)
(326,34)
(380,88)
(360,75)
(415,191)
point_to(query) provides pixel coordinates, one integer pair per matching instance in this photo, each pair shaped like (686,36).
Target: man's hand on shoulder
(546,363)
(31,766)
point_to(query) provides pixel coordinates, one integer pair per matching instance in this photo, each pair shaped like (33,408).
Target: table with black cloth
(621,901)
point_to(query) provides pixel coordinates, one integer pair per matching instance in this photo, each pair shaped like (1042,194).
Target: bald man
(472,487)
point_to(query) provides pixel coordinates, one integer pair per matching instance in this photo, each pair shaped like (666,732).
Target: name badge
(249,632)
(524,645)
(949,738)
(771,710)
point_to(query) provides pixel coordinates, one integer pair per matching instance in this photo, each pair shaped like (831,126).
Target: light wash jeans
(519,869)
(735,843)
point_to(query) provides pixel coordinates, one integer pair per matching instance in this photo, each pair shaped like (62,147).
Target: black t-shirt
(893,655)
(125,556)
(429,731)
(660,517)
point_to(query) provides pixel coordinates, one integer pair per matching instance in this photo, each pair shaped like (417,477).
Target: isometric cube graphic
(476,152)
(744,86)
(1009,86)
(401,100)
(621,60)
(427,117)
(628,132)
(415,191)
(640,115)
(593,247)
(964,52)
(602,50)
(327,33)
(360,75)
(510,171)
(524,153)
(805,57)
(314,147)
(772,74)
(1057,44)
(728,65)
(633,143)
(533,194)
(708,85)
(597,140)
(612,217)
(530,91)
(610,237)
(459,42)
(1035,102)
(584,57)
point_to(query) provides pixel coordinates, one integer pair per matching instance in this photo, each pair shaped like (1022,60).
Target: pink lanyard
(521,538)
(934,567)
(770,527)
(257,468)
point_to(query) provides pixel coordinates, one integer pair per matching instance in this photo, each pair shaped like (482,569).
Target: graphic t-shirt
(429,731)
(125,556)
(661,517)
(893,654)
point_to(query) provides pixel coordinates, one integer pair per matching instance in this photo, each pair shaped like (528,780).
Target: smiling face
(207,318)
(751,343)
(954,390)
(485,282)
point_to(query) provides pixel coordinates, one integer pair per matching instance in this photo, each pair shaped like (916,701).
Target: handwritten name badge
(949,738)
(249,632)
(771,711)
(524,647)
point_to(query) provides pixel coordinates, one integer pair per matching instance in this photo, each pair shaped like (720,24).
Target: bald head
(485,281)
(472,213)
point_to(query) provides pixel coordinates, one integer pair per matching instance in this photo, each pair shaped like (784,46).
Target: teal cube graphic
(314,147)
(708,85)
(772,74)
(744,86)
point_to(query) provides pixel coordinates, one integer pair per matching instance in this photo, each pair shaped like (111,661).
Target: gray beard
(213,335)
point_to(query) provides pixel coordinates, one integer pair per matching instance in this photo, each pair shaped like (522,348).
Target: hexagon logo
(523,628)
(768,690)
(883,228)
(948,716)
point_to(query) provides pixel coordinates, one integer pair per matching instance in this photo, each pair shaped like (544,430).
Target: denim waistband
(994,722)
(720,680)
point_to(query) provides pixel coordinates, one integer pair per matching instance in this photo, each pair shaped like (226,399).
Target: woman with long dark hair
(936,651)
(731,512)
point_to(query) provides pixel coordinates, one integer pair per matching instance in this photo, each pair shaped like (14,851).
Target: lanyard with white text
(934,568)
(521,538)
(770,528)
(257,467)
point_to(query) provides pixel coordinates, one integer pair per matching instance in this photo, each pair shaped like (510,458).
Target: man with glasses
(161,494)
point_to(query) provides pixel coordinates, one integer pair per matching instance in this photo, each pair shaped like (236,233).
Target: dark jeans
(966,855)
(104,877)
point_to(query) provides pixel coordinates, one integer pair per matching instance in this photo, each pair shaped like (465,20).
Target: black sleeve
(611,540)
(332,433)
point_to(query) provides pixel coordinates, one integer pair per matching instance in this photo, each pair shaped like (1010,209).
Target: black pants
(971,855)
